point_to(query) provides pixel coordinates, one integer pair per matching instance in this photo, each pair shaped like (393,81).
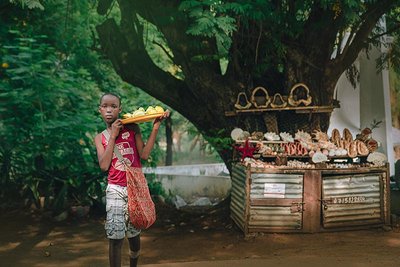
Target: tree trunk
(168,136)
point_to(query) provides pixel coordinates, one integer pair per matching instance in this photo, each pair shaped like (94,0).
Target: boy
(129,141)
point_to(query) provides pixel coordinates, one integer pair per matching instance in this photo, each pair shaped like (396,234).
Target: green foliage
(158,49)
(393,55)
(395,95)
(51,78)
(45,123)
(31,4)
(210,20)
(275,22)
(219,143)
(155,186)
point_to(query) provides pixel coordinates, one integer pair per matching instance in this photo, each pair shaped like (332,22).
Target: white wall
(348,115)
(369,101)
(375,99)
(198,180)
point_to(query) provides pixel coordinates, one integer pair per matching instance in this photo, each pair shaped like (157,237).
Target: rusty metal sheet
(351,200)
(274,218)
(284,192)
(266,185)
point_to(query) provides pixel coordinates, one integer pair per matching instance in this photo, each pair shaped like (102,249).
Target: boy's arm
(105,155)
(144,150)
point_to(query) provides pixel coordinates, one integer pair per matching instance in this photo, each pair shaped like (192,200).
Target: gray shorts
(117,224)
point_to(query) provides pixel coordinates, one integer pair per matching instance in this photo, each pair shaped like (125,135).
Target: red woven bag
(141,208)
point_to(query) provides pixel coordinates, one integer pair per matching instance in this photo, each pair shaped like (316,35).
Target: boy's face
(109,108)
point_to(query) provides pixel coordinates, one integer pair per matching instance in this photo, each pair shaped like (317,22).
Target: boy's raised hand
(158,120)
(116,127)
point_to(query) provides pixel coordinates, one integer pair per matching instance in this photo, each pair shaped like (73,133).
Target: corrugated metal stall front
(298,200)
(276,202)
(352,200)
(238,195)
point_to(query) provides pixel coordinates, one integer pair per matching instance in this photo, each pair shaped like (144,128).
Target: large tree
(274,44)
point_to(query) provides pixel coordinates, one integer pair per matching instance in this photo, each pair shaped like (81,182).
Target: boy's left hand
(158,120)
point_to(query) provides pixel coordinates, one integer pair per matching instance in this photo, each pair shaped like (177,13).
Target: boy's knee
(116,242)
(134,254)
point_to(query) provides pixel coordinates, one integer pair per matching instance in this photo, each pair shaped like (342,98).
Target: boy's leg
(115,246)
(134,250)
(115,222)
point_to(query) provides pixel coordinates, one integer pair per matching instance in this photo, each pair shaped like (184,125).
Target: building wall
(368,102)
(348,115)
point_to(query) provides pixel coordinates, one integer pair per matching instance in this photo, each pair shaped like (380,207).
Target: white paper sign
(274,190)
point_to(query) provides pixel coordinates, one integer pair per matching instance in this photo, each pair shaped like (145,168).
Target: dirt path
(29,240)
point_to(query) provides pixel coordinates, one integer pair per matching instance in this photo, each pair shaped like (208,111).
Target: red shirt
(126,145)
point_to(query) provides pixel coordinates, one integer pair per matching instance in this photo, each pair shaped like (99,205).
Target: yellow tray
(144,118)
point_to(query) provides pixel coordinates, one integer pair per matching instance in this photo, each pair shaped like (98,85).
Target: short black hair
(113,94)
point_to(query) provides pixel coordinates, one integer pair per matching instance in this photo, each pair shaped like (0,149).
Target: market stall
(306,182)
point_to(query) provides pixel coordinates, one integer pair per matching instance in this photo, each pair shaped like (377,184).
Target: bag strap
(116,151)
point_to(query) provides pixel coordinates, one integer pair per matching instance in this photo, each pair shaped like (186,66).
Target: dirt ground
(30,239)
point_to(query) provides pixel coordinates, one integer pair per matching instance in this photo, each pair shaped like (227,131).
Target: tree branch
(144,75)
(352,49)
(125,46)
(165,50)
(394,29)
(173,24)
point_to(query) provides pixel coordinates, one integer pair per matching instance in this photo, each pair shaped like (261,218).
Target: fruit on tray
(142,112)
(151,110)
(159,109)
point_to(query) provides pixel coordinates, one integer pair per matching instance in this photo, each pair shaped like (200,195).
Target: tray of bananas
(143,115)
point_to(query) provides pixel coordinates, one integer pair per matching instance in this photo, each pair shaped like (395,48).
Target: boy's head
(110,107)
(110,94)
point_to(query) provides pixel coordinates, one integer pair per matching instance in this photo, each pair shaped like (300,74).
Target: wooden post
(247,202)
(386,195)
(312,201)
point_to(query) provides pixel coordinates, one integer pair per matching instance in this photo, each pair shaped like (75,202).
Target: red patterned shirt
(126,145)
